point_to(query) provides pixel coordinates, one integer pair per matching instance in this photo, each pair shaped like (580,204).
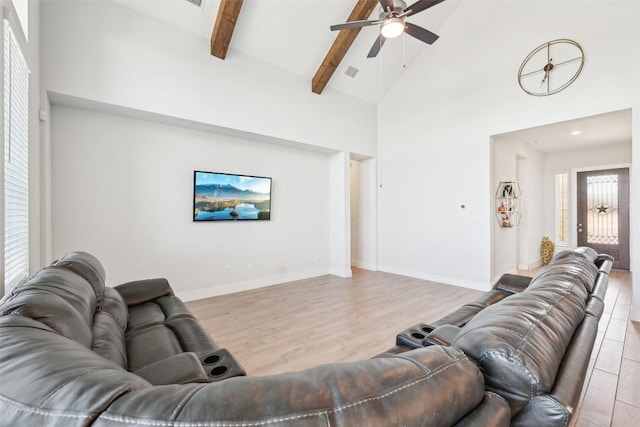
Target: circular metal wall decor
(551,67)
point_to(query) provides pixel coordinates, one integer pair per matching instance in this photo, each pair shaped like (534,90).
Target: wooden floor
(327,319)
(611,396)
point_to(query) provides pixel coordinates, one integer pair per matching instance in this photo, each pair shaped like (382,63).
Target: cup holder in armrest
(220,365)
(442,335)
(413,336)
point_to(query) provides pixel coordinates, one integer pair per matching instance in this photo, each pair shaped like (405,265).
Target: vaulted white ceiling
(294,35)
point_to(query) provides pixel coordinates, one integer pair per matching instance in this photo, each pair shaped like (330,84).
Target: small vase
(546,250)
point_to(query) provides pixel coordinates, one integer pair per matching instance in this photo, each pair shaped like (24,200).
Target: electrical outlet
(227,269)
(250,267)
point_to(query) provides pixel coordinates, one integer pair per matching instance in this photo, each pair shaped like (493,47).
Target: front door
(603,213)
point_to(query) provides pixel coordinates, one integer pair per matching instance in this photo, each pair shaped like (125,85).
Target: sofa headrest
(52,311)
(55,381)
(59,298)
(569,270)
(87,266)
(519,342)
(114,306)
(582,251)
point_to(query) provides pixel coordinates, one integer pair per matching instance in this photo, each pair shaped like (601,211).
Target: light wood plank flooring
(611,395)
(298,325)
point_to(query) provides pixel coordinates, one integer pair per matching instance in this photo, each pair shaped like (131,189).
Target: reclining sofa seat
(70,357)
(534,345)
(520,343)
(531,337)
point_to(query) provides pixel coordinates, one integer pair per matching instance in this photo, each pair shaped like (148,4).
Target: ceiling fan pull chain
(380,78)
(404,51)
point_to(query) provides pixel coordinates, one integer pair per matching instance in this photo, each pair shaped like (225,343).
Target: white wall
(339,215)
(434,140)
(106,52)
(532,231)
(100,53)
(354,209)
(123,189)
(368,223)
(363,214)
(517,248)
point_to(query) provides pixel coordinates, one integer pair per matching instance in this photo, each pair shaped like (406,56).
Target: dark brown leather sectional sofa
(75,352)
(531,337)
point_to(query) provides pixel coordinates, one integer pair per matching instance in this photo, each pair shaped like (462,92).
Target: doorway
(603,213)
(363,209)
(602,141)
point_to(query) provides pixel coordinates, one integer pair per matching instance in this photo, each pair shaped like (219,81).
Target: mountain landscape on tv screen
(228,202)
(228,191)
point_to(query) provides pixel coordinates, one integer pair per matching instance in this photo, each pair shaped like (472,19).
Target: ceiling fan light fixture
(392,27)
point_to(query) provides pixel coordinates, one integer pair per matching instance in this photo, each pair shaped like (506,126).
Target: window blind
(16,165)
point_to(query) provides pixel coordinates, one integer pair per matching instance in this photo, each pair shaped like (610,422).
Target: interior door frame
(573,216)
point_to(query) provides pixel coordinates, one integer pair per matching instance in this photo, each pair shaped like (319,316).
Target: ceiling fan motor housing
(392,23)
(398,7)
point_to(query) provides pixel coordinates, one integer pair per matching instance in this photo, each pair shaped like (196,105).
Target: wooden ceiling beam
(341,45)
(223,28)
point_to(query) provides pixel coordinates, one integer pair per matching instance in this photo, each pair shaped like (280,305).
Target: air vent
(199,3)
(351,71)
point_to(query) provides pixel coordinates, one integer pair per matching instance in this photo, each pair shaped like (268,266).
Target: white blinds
(16,167)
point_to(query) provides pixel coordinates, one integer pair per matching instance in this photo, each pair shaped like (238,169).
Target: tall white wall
(101,54)
(363,214)
(106,52)
(439,118)
(354,209)
(339,215)
(363,208)
(123,190)
(517,248)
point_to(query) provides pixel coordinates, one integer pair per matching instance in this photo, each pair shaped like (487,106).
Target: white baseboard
(364,265)
(229,288)
(341,273)
(531,266)
(471,284)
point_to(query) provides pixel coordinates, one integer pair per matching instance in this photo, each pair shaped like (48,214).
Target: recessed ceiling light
(576,132)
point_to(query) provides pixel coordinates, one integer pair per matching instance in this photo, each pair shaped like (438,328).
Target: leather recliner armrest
(140,291)
(604,263)
(181,368)
(442,335)
(408,389)
(513,283)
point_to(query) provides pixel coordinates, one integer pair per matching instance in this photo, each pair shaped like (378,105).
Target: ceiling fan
(392,23)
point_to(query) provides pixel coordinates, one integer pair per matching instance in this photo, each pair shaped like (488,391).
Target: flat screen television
(229,197)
